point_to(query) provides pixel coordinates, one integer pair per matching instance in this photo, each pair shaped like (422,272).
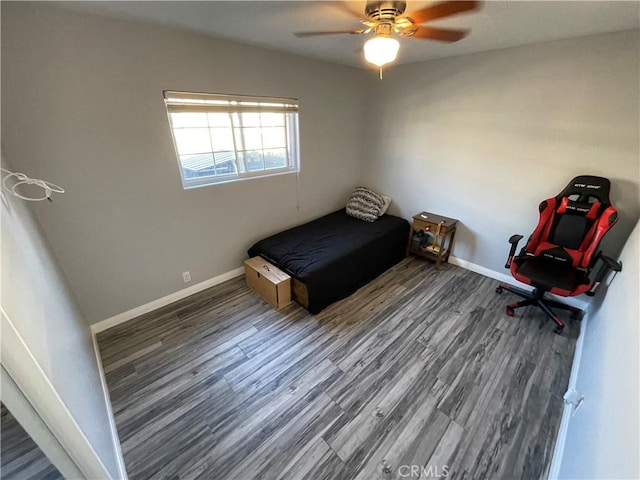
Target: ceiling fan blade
(440,34)
(443,9)
(335,32)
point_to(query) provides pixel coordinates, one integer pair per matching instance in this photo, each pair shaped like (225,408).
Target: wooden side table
(443,230)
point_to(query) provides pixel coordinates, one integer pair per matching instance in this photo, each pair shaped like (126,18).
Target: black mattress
(336,254)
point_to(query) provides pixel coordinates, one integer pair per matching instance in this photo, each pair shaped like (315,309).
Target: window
(222,138)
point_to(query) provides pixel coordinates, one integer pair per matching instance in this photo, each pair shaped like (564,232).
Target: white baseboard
(580,303)
(487,272)
(567,412)
(164,301)
(122,471)
(180,294)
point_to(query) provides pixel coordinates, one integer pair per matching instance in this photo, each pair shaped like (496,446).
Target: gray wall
(37,300)
(481,137)
(82,106)
(603,438)
(485,137)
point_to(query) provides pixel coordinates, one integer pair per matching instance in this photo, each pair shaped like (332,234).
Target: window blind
(206,102)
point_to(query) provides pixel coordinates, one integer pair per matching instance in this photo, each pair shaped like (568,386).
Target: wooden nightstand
(437,243)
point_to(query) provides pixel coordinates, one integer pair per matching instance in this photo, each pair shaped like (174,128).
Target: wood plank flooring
(20,457)
(419,374)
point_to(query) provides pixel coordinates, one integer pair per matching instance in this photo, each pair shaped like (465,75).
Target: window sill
(240,179)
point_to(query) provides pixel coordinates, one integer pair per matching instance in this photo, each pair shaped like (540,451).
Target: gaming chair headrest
(587,189)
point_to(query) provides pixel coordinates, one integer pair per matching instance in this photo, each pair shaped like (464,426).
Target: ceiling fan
(385,18)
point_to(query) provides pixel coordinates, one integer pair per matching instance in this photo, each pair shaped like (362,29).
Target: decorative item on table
(434,247)
(421,239)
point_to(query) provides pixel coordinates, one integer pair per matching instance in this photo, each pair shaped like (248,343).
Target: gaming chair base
(536,297)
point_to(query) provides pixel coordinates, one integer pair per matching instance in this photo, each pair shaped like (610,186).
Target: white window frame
(177,102)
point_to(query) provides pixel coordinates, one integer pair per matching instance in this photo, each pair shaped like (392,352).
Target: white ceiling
(270,24)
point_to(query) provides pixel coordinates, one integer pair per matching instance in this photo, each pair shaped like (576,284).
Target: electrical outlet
(186,276)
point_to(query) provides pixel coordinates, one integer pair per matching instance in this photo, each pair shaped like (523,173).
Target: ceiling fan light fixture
(381,50)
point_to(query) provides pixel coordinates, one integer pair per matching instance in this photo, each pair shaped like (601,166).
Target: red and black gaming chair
(563,250)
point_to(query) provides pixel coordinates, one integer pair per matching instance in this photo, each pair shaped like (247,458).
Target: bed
(331,257)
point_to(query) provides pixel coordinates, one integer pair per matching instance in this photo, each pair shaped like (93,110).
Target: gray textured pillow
(387,202)
(365,204)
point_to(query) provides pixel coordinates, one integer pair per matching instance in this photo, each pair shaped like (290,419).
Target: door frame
(30,379)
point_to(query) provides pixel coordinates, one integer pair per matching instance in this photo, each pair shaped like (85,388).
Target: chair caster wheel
(510,311)
(558,330)
(498,290)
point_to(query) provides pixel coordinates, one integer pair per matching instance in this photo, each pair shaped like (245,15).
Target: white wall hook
(20,179)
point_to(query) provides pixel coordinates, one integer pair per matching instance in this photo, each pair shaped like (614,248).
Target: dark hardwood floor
(20,457)
(419,373)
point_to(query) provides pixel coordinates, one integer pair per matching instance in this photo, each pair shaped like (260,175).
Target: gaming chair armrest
(608,264)
(612,264)
(514,245)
